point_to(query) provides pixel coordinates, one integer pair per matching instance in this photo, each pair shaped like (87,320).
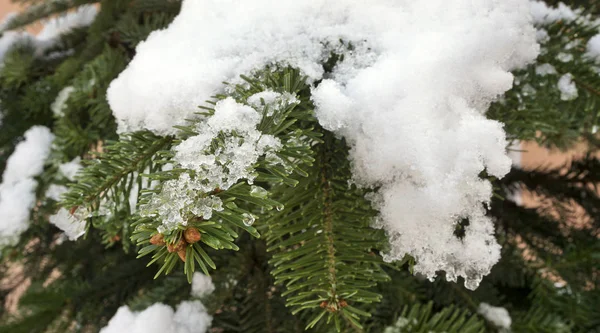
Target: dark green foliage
(533,108)
(324,250)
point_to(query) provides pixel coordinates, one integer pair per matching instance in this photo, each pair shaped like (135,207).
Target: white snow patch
(17,191)
(201,285)
(564,57)
(498,316)
(54,27)
(409,97)
(545,69)
(58,105)
(568,89)
(544,14)
(190,317)
(55,191)
(593,48)
(70,169)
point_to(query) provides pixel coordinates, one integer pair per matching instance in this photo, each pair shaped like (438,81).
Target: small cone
(177,246)
(158,239)
(181,254)
(192,235)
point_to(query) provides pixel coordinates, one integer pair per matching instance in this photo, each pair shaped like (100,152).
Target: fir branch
(420,318)
(41,11)
(122,158)
(242,202)
(323,243)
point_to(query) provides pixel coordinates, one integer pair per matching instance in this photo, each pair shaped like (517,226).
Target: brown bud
(158,239)
(323,304)
(192,235)
(73,209)
(343,303)
(332,307)
(180,245)
(181,254)
(115,238)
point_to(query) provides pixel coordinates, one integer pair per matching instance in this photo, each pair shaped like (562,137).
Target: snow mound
(17,191)
(190,317)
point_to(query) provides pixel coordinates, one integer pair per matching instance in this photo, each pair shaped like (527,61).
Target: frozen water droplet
(280,207)
(248,219)
(258,192)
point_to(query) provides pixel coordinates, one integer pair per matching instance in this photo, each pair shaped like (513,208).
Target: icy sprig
(73,224)
(17,191)
(225,152)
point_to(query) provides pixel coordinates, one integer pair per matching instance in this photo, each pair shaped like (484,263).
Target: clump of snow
(67,170)
(58,105)
(17,191)
(545,69)
(593,48)
(544,14)
(55,191)
(201,285)
(542,36)
(564,57)
(190,317)
(498,316)
(70,169)
(72,224)
(568,89)
(409,97)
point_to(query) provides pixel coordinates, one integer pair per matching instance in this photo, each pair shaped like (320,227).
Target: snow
(568,89)
(496,315)
(54,27)
(58,105)
(201,285)
(17,191)
(545,69)
(564,57)
(544,14)
(72,224)
(55,191)
(70,169)
(593,48)
(409,97)
(190,317)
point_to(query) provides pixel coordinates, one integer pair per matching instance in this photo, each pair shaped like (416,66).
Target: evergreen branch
(41,11)
(122,158)
(420,318)
(323,243)
(240,204)
(535,109)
